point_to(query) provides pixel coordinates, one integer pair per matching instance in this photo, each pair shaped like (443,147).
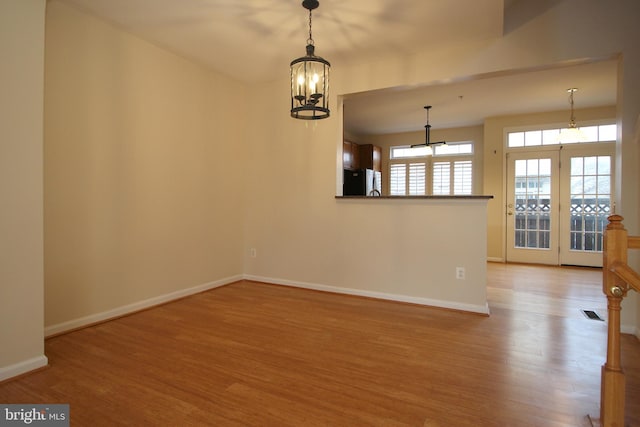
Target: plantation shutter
(398,180)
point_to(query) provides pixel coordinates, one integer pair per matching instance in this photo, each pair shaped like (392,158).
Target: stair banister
(617,279)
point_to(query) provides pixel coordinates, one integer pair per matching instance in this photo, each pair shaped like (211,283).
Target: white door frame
(515,213)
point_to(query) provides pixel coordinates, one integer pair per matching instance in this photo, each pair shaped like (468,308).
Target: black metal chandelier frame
(310,79)
(427,138)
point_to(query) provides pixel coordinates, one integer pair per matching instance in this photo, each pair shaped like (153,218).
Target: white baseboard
(137,306)
(628,329)
(482,309)
(23,367)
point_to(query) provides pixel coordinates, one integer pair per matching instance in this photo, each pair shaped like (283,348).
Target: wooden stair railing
(618,278)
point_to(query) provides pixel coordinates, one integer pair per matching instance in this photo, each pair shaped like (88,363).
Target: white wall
(303,235)
(143,172)
(21,230)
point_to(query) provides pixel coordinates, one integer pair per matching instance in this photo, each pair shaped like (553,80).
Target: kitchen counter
(417,197)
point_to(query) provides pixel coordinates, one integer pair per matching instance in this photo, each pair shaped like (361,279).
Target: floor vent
(590,314)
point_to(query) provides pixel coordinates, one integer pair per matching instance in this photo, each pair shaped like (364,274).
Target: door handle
(510,213)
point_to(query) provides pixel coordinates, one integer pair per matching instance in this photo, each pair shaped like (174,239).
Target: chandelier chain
(310,39)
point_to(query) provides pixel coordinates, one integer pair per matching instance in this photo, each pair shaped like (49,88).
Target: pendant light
(573,132)
(427,138)
(310,80)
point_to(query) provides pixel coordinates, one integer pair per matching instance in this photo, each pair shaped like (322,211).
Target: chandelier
(310,80)
(573,132)
(427,138)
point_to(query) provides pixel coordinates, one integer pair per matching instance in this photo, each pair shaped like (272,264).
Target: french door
(532,207)
(586,177)
(557,204)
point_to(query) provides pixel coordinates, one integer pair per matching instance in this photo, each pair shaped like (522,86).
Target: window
(448,172)
(417,179)
(397,183)
(453,149)
(462,177)
(459,172)
(538,137)
(441,178)
(405,152)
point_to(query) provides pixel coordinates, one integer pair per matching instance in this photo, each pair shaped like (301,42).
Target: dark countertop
(417,197)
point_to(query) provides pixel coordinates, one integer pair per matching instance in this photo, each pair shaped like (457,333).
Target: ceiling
(255,40)
(469,102)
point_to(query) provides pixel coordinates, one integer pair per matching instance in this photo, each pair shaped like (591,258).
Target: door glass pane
(590,201)
(604,165)
(590,165)
(576,184)
(576,165)
(532,203)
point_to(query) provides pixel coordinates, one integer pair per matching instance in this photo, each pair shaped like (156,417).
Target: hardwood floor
(262,355)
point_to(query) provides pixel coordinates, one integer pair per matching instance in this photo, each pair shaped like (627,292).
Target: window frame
(556,129)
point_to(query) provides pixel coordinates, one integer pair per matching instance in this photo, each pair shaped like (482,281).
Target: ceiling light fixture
(310,80)
(427,142)
(573,132)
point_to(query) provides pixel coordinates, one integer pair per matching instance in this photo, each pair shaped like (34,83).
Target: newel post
(612,386)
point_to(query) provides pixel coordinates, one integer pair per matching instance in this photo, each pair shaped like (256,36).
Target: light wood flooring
(251,354)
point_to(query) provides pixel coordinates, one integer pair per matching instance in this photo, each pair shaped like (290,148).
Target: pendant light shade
(310,80)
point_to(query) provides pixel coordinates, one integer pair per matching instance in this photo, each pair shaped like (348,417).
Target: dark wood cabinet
(370,157)
(350,155)
(365,156)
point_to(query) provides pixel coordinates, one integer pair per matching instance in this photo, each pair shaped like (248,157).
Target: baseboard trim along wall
(137,306)
(495,259)
(23,367)
(630,329)
(482,309)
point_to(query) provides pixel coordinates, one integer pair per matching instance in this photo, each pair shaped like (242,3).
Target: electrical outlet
(253,252)
(460,273)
